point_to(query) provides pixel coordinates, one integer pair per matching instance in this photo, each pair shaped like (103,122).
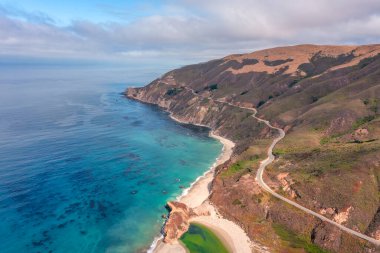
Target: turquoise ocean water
(82,169)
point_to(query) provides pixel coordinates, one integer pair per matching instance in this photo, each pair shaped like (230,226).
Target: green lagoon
(200,239)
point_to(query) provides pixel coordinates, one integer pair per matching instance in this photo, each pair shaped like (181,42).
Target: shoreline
(235,238)
(199,190)
(196,196)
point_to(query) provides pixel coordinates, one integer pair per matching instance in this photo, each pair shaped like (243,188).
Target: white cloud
(196,29)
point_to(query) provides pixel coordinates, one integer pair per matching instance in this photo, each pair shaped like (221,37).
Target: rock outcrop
(178,221)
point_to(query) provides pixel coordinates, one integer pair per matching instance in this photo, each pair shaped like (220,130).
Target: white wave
(154,244)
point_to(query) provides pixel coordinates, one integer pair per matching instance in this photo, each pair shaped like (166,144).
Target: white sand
(170,248)
(200,190)
(197,195)
(233,237)
(231,234)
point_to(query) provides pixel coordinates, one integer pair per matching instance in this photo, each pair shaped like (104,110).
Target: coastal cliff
(326,98)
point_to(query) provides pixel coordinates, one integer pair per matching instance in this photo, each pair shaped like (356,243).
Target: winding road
(270,159)
(260,181)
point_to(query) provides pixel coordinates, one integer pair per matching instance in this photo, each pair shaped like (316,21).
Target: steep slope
(326,98)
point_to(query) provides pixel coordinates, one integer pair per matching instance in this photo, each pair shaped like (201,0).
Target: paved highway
(270,159)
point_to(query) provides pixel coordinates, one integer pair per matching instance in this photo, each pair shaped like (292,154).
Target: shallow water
(82,169)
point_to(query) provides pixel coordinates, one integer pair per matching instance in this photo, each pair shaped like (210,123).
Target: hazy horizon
(168,34)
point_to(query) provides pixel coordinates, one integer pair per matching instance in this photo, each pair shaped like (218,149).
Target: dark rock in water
(128,170)
(134,192)
(61,225)
(61,217)
(102,209)
(82,232)
(181,187)
(37,243)
(164,216)
(137,123)
(132,156)
(182,162)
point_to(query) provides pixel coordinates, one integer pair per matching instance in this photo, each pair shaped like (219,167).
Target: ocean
(82,168)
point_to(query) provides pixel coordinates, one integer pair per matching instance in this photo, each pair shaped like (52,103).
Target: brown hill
(292,58)
(327,100)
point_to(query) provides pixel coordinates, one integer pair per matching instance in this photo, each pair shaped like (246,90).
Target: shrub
(260,103)
(325,140)
(314,99)
(295,240)
(362,121)
(212,87)
(173,91)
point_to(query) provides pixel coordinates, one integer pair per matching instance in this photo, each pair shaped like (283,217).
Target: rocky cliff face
(327,100)
(187,106)
(177,223)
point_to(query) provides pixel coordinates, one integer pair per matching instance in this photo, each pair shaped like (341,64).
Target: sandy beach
(197,195)
(233,237)
(200,190)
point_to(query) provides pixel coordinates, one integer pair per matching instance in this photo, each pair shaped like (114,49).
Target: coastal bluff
(327,100)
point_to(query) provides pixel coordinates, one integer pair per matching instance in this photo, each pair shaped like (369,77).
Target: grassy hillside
(327,99)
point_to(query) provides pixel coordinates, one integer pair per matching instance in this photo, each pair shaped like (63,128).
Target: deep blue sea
(83,169)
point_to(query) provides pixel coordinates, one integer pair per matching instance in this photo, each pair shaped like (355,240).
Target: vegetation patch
(250,61)
(371,103)
(365,62)
(325,140)
(240,166)
(278,152)
(261,103)
(277,62)
(200,239)
(363,121)
(173,91)
(233,169)
(294,82)
(212,87)
(296,241)
(314,99)
(320,63)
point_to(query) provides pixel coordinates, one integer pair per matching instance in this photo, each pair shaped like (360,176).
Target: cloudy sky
(178,30)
